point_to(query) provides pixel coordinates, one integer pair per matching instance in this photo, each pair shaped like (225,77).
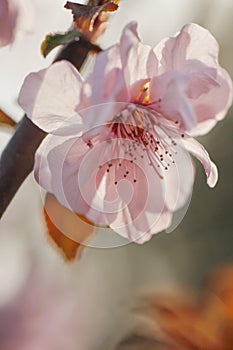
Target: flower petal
(106,83)
(179,179)
(139,62)
(169,88)
(193,42)
(144,212)
(8,17)
(143,227)
(198,151)
(213,106)
(61,168)
(194,52)
(50,96)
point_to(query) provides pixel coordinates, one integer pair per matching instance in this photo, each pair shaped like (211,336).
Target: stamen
(142,135)
(143,96)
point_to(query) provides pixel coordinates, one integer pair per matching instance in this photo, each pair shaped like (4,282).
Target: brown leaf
(85,16)
(68,230)
(5,119)
(179,317)
(204,322)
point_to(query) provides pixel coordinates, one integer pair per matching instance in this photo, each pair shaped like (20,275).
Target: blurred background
(104,282)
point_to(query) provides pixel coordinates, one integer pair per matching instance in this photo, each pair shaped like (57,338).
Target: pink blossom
(8,16)
(42,315)
(15,15)
(119,143)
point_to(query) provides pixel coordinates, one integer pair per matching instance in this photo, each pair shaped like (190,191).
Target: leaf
(6,120)
(67,230)
(86,15)
(53,40)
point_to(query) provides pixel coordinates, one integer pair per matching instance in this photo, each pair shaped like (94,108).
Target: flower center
(139,136)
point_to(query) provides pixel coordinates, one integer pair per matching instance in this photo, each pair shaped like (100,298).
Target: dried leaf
(187,323)
(53,40)
(68,230)
(86,15)
(6,120)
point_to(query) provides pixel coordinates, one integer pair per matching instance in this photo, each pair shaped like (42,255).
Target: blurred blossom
(8,17)
(183,320)
(137,115)
(15,16)
(43,315)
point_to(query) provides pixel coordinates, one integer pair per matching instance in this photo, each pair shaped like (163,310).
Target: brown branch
(17,159)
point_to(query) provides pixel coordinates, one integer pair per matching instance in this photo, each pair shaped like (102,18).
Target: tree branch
(17,159)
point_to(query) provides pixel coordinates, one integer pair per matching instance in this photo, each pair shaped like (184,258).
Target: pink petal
(194,52)
(139,62)
(213,106)
(198,151)
(97,116)
(50,96)
(144,213)
(179,179)
(61,168)
(107,82)
(193,42)
(143,227)
(104,92)
(169,88)
(163,222)
(49,163)
(8,19)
